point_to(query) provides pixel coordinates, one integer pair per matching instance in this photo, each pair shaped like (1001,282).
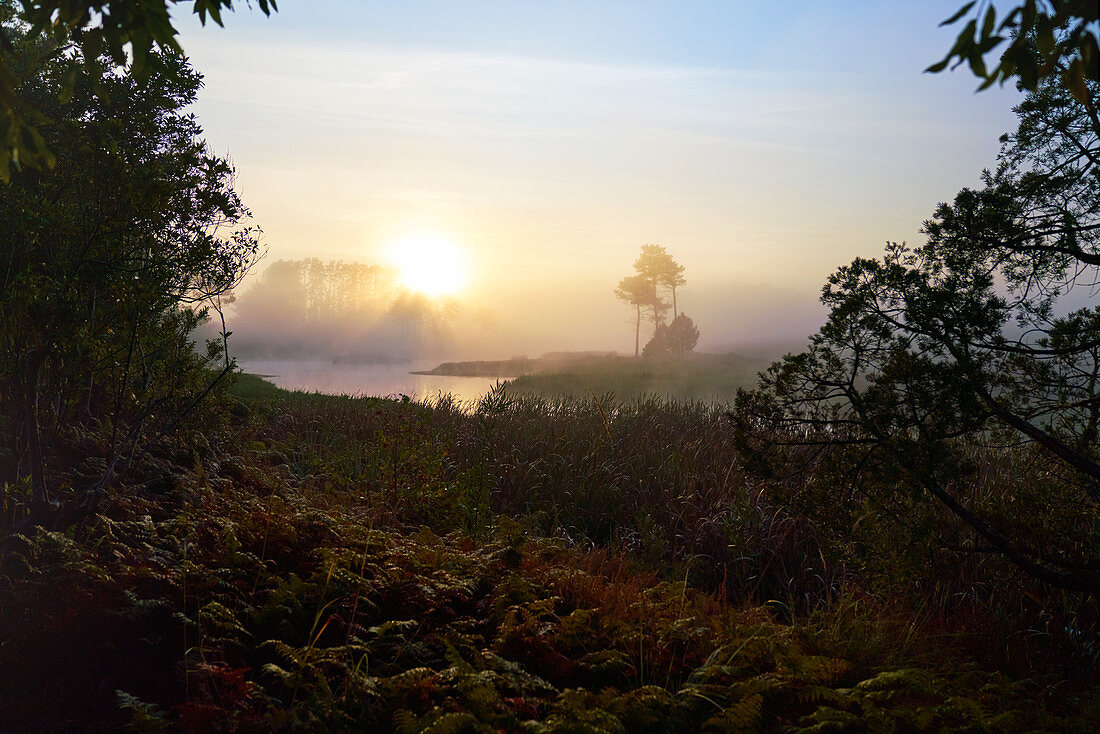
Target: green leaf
(1074,79)
(960,13)
(67,86)
(1027,21)
(989,43)
(990,20)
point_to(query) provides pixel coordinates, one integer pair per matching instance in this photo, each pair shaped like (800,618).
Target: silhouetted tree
(683,335)
(676,338)
(108,262)
(672,278)
(967,342)
(635,291)
(1046,38)
(660,270)
(654,269)
(657,346)
(98,33)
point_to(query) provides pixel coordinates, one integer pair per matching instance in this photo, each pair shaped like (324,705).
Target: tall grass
(658,480)
(662,484)
(352,564)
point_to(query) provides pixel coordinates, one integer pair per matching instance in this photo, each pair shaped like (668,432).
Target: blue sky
(757,35)
(763,143)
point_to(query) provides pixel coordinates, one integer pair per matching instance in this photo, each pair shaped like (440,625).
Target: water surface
(377,380)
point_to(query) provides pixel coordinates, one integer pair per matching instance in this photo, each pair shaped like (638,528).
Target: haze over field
(763,145)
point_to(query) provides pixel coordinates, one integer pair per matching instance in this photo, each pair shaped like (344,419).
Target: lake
(383,380)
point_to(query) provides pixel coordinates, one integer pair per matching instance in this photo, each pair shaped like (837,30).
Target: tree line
(311,307)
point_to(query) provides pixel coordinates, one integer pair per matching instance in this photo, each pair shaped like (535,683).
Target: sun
(430,263)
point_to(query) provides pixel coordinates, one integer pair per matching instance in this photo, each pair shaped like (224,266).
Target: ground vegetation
(528,565)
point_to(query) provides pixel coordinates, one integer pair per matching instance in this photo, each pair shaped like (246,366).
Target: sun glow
(430,263)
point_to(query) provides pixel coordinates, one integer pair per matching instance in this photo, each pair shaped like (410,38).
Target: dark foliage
(1046,39)
(677,338)
(108,261)
(322,568)
(972,343)
(97,33)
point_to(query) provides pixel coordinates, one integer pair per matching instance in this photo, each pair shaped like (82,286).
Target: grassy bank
(516,366)
(328,563)
(696,376)
(693,377)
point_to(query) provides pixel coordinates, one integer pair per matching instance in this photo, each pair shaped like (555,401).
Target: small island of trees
(657,274)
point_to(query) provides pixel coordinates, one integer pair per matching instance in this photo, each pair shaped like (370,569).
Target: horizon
(764,147)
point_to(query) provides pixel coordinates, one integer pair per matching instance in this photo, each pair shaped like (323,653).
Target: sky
(763,144)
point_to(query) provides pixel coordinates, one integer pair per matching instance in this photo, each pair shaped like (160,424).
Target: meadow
(525,564)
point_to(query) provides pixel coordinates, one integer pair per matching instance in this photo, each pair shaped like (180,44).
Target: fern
(145,718)
(292,606)
(743,717)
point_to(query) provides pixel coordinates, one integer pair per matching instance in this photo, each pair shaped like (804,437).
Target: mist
(358,313)
(762,160)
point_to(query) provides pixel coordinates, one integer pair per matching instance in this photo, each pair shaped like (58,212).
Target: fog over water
(374,352)
(381,380)
(538,146)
